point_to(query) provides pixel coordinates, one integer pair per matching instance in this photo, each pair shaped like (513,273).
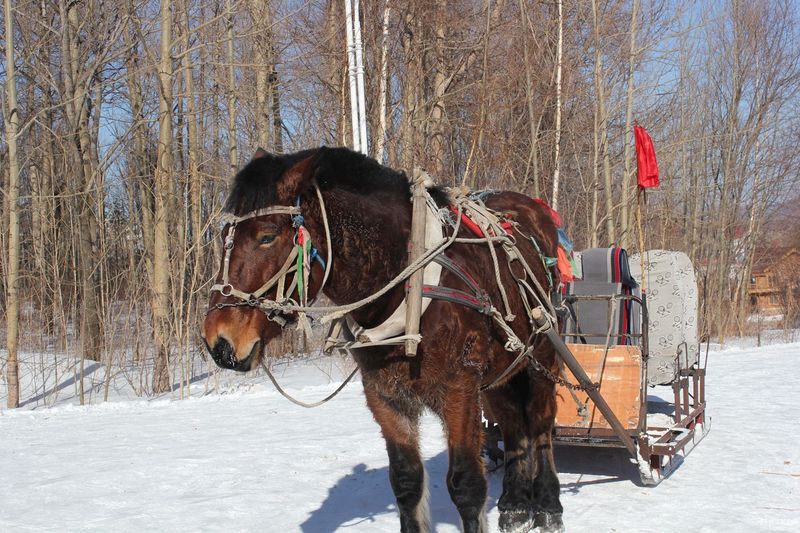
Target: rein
(299,402)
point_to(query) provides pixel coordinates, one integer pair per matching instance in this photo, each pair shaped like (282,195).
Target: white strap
(229,218)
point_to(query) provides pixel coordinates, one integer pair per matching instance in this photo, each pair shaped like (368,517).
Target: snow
(248,460)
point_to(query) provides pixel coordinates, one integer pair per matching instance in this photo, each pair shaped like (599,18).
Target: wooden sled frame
(657,450)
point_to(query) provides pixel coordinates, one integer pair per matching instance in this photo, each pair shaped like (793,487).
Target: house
(775,282)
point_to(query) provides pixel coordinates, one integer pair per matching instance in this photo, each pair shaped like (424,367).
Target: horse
(461,366)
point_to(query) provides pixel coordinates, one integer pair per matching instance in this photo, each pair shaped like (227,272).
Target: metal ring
(226,290)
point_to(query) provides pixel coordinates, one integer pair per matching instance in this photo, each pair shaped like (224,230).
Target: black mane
(337,168)
(253,187)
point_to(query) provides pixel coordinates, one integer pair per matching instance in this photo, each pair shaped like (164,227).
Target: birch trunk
(440,83)
(11,116)
(163,186)
(627,181)
(602,129)
(557,155)
(233,152)
(384,84)
(275,94)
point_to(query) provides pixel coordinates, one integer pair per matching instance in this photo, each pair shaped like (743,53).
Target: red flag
(645,159)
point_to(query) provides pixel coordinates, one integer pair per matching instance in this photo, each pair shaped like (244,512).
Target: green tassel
(300,289)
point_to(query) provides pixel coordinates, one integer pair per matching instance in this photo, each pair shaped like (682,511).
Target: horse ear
(299,176)
(260,152)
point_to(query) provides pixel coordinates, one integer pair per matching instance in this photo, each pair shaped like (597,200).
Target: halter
(298,261)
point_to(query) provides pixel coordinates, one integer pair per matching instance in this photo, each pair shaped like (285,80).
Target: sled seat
(599,315)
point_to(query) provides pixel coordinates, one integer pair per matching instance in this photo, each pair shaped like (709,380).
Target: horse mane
(254,187)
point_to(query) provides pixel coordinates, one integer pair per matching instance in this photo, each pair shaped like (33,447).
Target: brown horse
(369,210)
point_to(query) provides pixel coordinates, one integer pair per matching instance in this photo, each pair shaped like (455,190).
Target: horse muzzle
(224,355)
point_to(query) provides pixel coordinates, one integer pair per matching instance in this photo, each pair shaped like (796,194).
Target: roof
(767,259)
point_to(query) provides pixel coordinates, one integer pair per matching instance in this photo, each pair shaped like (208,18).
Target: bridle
(297,264)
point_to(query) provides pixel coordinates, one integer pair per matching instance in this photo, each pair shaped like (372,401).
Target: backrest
(672,301)
(605,273)
(607,264)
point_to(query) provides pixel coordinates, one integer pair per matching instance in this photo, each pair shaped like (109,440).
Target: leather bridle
(300,269)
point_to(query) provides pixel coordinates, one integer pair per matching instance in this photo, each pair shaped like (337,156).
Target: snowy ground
(248,460)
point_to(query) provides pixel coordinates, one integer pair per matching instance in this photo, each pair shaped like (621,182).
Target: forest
(124,121)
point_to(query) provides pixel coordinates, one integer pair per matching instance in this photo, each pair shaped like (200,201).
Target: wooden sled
(606,342)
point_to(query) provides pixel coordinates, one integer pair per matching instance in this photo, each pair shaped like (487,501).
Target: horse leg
(399,422)
(507,404)
(466,480)
(546,487)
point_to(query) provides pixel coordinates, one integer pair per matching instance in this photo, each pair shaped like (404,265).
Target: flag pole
(641,193)
(646,176)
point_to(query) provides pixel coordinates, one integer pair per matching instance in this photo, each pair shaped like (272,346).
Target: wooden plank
(619,372)
(416,249)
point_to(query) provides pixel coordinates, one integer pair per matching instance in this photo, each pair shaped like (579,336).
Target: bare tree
(164,174)
(11,116)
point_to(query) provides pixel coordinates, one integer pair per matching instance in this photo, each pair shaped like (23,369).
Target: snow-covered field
(248,460)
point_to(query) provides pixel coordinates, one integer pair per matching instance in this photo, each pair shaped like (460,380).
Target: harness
(489,228)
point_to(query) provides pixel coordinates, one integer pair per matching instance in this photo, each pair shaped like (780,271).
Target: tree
(11,116)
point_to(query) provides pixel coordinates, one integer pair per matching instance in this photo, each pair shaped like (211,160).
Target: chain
(272,314)
(241,303)
(560,381)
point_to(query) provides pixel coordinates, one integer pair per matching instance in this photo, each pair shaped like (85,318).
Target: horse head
(266,229)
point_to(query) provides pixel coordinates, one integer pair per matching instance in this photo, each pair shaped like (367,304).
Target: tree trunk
(436,121)
(627,181)
(260,13)
(384,84)
(87,184)
(274,91)
(233,152)
(12,268)
(557,156)
(534,118)
(163,185)
(602,125)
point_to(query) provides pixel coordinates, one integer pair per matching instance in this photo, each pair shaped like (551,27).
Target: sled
(627,342)
(617,343)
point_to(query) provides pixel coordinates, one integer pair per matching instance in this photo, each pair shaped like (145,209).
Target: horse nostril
(223,353)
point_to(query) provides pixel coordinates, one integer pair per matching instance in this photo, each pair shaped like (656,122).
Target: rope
(477,207)
(301,403)
(329,262)
(490,220)
(338,311)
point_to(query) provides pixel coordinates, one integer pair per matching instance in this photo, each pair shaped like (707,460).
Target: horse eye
(266,239)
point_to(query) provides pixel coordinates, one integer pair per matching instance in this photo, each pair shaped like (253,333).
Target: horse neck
(369,236)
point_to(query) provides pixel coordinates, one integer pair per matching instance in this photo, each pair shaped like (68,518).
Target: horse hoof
(545,522)
(516,521)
